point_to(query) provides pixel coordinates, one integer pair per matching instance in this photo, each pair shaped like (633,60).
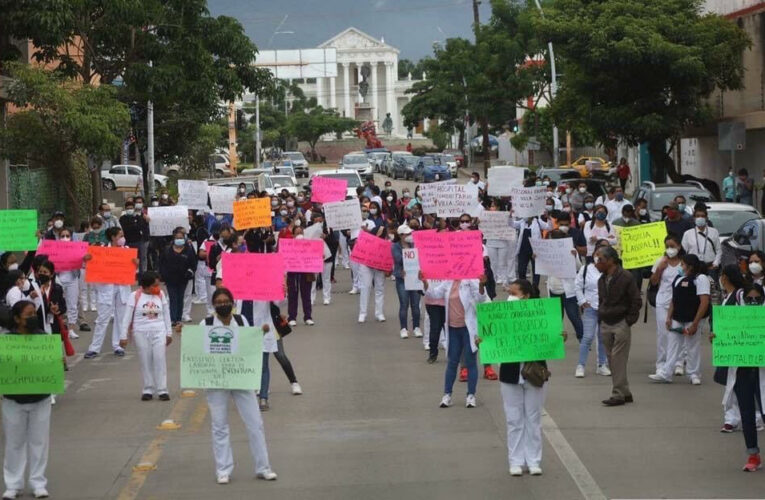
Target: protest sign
(31,364)
(501,180)
(254,276)
(343,214)
(429,194)
(163,220)
(449,255)
(739,336)
(521,330)
(111,265)
(411,269)
(192,194)
(528,202)
(222,199)
(326,189)
(643,244)
(221,357)
(302,256)
(455,199)
(554,257)
(497,226)
(18,230)
(252,213)
(373,252)
(65,255)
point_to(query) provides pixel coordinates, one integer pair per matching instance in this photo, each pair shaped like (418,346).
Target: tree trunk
(461,141)
(486,147)
(95,184)
(662,162)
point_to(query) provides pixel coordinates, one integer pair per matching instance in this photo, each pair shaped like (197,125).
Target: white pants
(247,404)
(151,348)
(202,281)
(371,277)
(187,300)
(498,261)
(662,338)
(109,305)
(523,412)
(356,274)
(27,435)
(71,295)
(676,344)
(87,290)
(326,284)
(342,254)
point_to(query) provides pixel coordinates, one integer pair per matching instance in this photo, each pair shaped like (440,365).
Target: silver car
(357,162)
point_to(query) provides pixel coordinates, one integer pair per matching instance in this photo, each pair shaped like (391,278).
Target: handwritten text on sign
(18,230)
(164,220)
(192,194)
(252,213)
(554,257)
(254,276)
(411,263)
(501,180)
(373,252)
(65,255)
(455,200)
(528,202)
(497,226)
(111,265)
(221,357)
(449,255)
(302,256)
(739,336)
(325,189)
(31,364)
(429,194)
(643,244)
(222,199)
(343,214)
(521,330)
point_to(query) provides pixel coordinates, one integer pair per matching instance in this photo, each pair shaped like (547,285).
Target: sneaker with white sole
(404,334)
(326,302)
(426,346)
(292,322)
(470,401)
(296,389)
(268,475)
(353,291)
(223,479)
(516,471)
(695,380)
(446,401)
(73,335)
(535,470)
(309,322)
(10,494)
(579,373)
(362,318)
(603,370)
(679,371)
(380,318)
(40,493)
(658,378)
(418,332)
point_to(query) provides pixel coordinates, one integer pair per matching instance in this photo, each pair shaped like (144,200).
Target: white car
(449,161)
(218,161)
(352,176)
(728,217)
(298,162)
(273,184)
(358,162)
(128,177)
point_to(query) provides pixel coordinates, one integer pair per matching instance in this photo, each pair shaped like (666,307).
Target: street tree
(309,125)
(641,72)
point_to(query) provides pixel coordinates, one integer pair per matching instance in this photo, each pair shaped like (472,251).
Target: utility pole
(553,91)
(150,147)
(257,131)
(476,20)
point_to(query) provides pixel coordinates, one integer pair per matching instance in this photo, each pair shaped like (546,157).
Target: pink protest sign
(65,255)
(449,255)
(254,276)
(208,245)
(327,190)
(302,256)
(373,252)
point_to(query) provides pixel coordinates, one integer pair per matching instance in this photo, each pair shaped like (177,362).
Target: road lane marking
(198,417)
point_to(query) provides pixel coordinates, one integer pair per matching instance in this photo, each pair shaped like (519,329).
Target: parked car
(447,160)
(403,166)
(128,177)
(376,158)
(298,161)
(357,162)
(585,164)
(351,176)
(595,187)
(728,217)
(659,195)
(273,184)
(459,157)
(257,171)
(744,240)
(427,169)
(285,170)
(218,162)
(250,182)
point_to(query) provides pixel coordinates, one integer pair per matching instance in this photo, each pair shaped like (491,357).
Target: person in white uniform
(245,400)
(70,281)
(147,313)
(372,279)
(664,272)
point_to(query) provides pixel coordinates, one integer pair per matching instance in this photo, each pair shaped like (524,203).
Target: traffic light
(515,126)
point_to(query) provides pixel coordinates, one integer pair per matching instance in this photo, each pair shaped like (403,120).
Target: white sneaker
(309,322)
(760,427)
(426,346)
(579,373)
(292,322)
(223,479)
(296,389)
(418,332)
(516,471)
(470,401)
(658,378)
(404,334)
(93,309)
(73,335)
(41,493)
(326,302)
(695,380)
(603,370)
(268,475)
(362,318)
(353,291)
(446,401)
(52,399)
(187,319)
(679,371)
(380,318)
(535,470)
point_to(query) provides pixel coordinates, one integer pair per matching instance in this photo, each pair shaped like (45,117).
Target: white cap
(404,229)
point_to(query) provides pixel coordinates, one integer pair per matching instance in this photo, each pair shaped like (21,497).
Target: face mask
(298,222)
(373,211)
(567,210)
(681,271)
(512,298)
(601,216)
(154,290)
(58,224)
(568,190)
(154,203)
(753,301)
(549,194)
(619,196)
(107,215)
(164,196)
(32,324)
(538,183)
(66,238)
(121,242)
(700,222)
(129,211)
(589,206)
(282,212)
(241,190)
(672,252)
(274,203)
(408,239)
(681,206)
(139,206)
(596,259)
(224,311)
(290,204)
(15,267)
(301,199)
(300,237)
(564,229)
(643,212)
(627,219)
(545,183)
(754,268)
(179,242)
(389,198)
(549,207)
(406,194)
(26,286)
(364,215)
(582,190)
(475,181)
(391,237)
(43,279)
(464,226)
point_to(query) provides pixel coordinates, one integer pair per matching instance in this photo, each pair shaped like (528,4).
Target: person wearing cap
(406,298)
(54,233)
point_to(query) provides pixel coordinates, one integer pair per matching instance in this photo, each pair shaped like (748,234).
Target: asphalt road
(369,427)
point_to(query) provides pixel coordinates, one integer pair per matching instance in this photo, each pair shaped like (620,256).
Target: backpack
(237,317)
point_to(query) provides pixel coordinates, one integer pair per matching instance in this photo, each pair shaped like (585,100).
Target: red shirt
(623,171)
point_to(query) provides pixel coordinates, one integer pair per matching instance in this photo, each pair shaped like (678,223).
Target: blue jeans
(407,298)
(571,307)
(175,299)
(265,378)
(459,341)
(591,329)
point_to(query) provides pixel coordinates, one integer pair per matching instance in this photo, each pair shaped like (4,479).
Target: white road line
(571,461)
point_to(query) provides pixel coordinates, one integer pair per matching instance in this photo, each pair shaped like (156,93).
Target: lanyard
(706,241)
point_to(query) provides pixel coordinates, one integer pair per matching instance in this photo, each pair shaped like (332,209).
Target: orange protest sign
(111,265)
(251,213)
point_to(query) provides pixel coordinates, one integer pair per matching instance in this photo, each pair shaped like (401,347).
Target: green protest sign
(18,230)
(221,357)
(521,330)
(31,364)
(739,336)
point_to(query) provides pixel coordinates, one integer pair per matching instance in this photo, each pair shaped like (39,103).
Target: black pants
(284,361)
(747,390)
(523,264)
(437,315)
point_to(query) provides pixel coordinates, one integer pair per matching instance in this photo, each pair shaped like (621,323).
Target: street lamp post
(150,145)
(553,90)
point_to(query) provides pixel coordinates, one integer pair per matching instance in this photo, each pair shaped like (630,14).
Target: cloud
(379,4)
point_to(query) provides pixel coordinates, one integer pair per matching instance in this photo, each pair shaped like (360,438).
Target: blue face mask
(601,216)
(681,272)
(700,222)
(681,206)
(619,196)
(179,242)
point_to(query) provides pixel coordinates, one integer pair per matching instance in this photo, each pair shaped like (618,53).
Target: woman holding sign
(372,278)
(407,299)
(70,281)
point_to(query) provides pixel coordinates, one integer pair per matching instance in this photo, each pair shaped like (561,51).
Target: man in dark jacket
(618,309)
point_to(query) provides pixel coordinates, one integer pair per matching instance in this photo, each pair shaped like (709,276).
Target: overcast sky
(409,25)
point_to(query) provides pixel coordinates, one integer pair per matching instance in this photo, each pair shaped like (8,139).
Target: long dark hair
(693,262)
(733,273)
(527,288)
(17,309)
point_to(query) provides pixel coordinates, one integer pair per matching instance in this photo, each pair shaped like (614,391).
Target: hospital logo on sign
(220,340)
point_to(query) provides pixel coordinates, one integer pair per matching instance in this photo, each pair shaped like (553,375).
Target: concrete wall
(728,6)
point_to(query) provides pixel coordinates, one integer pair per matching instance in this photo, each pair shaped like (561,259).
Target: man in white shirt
(616,204)
(476,179)
(704,242)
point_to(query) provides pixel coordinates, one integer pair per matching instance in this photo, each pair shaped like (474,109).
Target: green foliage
(310,125)
(198,158)
(439,136)
(405,67)
(538,123)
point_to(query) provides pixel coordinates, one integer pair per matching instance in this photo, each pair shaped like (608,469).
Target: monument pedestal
(363,111)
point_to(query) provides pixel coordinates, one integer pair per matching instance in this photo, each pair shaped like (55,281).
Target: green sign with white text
(31,364)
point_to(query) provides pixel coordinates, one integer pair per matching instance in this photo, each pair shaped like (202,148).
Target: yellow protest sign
(252,213)
(642,245)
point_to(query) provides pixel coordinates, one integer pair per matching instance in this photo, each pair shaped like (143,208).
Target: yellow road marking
(198,416)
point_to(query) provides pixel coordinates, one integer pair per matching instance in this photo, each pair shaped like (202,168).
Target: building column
(347,90)
(373,89)
(332,93)
(390,96)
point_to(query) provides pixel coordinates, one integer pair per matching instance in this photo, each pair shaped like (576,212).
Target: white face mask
(15,267)
(389,198)
(139,206)
(164,196)
(298,222)
(643,212)
(408,239)
(290,204)
(512,298)
(66,238)
(58,223)
(596,259)
(672,252)
(129,211)
(564,229)
(107,215)
(373,211)
(464,226)
(154,203)
(582,190)
(299,236)
(755,268)
(568,190)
